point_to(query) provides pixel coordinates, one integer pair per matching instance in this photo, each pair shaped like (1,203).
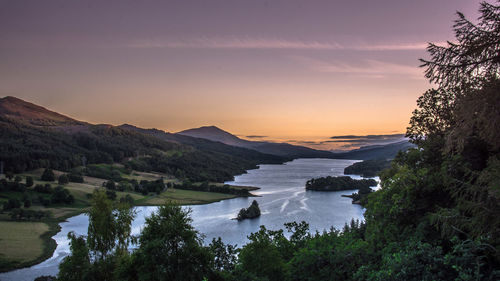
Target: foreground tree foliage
(436,216)
(170,248)
(444,195)
(97,256)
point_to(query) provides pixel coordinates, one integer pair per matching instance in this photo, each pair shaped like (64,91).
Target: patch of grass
(249,188)
(185,197)
(20,241)
(25,243)
(173,152)
(148,176)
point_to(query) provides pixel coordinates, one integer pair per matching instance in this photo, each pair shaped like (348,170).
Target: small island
(338,183)
(249,213)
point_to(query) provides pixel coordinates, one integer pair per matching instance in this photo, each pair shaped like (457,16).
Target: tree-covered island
(249,213)
(338,183)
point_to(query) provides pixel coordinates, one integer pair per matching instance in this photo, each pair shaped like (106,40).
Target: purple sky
(301,70)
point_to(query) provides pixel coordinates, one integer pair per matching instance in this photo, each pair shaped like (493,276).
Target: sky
(301,71)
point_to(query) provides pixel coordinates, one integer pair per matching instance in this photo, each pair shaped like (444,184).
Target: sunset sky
(288,70)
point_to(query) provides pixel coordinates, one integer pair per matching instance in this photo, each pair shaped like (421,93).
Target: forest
(434,218)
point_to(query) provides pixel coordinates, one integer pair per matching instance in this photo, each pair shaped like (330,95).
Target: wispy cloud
(270,43)
(368,67)
(355,140)
(236,43)
(393,47)
(255,137)
(368,137)
(350,141)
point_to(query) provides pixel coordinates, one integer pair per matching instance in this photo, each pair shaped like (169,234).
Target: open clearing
(20,241)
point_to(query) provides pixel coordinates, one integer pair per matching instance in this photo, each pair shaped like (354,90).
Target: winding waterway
(282,198)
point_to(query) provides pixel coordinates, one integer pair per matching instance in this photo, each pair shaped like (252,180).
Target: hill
(211,146)
(214,133)
(280,149)
(34,137)
(18,109)
(387,151)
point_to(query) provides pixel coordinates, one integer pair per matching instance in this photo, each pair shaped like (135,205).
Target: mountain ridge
(214,133)
(210,139)
(34,137)
(201,143)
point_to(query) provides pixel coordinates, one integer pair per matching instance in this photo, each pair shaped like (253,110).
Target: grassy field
(25,243)
(20,241)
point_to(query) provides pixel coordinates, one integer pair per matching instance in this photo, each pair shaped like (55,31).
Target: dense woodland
(434,218)
(368,168)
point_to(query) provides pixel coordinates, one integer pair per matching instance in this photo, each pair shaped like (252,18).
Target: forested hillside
(33,137)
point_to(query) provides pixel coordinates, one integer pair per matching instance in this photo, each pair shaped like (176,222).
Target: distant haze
(284,70)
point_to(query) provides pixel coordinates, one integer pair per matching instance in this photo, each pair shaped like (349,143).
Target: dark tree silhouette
(473,57)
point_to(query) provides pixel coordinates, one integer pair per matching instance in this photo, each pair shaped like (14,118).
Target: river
(282,198)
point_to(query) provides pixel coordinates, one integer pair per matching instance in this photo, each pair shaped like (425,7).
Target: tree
(466,73)
(102,227)
(63,179)
(110,185)
(261,257)
(433,117)
(474,58)
(170,248)
(75,177)
(13,203)
(99,257)
(456,130)
(109,225)
(224,256)
(48,175)
(27,203)
(29,181)
(76,266)
(62,195)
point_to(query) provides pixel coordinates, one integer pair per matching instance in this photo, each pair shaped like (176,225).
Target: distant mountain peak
(211,128)
(214,133)
(18,109)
